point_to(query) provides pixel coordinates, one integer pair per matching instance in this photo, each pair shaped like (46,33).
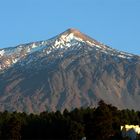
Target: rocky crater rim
(78,34)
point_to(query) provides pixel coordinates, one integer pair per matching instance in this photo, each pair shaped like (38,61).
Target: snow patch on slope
(2,53)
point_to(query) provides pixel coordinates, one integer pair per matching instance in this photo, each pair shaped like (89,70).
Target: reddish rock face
(67,71)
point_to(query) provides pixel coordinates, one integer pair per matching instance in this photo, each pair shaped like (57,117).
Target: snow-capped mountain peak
(70,40)
(72,33)
(67,71)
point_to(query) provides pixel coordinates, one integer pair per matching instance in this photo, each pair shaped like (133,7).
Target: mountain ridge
(67,71)
(65,36)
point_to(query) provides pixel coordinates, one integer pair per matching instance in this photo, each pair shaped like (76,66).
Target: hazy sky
(113,22)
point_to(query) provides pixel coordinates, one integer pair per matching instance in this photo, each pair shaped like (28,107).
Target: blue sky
(113,22)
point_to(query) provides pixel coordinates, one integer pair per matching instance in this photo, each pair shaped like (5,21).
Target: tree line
(101,123)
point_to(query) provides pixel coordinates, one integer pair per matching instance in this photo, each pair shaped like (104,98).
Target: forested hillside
(101,123)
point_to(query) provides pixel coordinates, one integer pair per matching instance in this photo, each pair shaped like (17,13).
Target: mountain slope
(67,71)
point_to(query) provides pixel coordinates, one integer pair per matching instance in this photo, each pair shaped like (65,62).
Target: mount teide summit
(67,71)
